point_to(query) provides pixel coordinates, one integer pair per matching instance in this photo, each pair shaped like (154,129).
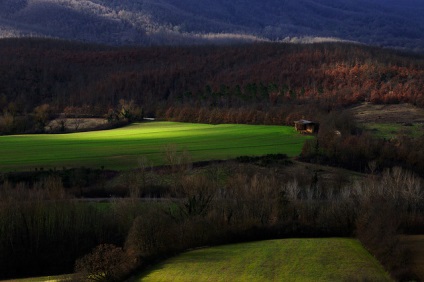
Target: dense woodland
(40,219)
(259,83)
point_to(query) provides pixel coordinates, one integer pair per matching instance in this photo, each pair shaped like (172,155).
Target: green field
(332,259)
(391,130)
(121,148)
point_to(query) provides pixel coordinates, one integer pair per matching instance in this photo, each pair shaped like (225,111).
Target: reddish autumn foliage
(62,74)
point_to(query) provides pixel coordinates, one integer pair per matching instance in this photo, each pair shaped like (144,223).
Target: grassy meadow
(121,148)
(329,259)
(388,121)
(391,130)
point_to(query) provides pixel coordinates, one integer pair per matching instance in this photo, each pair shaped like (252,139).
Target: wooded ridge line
(78,79)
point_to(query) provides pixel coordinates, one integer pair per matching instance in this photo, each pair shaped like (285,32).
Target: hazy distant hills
(388,23)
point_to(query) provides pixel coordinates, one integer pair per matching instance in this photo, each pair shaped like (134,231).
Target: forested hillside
(262,77)
(396,24)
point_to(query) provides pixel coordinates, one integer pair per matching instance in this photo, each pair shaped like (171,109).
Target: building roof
(304,121)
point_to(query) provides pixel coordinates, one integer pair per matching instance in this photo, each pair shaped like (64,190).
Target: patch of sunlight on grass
(332,259)
(120,148)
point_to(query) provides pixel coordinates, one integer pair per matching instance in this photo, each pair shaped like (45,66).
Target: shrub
(382,210)
(105,263)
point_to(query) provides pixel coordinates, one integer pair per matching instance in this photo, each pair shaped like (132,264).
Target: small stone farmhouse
(306,126)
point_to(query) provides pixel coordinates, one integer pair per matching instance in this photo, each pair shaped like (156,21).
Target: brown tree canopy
(63,74)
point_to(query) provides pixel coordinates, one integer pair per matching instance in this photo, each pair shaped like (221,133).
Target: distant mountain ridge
(389,23)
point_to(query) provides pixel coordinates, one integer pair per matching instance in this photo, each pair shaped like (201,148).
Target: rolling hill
(273,260)
(395,24)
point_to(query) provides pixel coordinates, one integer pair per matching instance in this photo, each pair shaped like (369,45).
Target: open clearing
(332,259)
(387,121)
(397,113)
(121,148)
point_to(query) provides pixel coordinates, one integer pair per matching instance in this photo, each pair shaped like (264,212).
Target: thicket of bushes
(44,232)
(341,143)
(252,206)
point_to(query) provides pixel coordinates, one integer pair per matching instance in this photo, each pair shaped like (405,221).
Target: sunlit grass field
(121,148)
(328,259)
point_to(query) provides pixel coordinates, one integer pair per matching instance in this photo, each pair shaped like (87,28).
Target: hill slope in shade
(396,24)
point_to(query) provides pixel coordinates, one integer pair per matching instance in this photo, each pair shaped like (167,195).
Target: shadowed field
(415,244)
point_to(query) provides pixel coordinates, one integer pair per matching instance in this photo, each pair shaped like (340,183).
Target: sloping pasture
(327,259)
(122,148)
